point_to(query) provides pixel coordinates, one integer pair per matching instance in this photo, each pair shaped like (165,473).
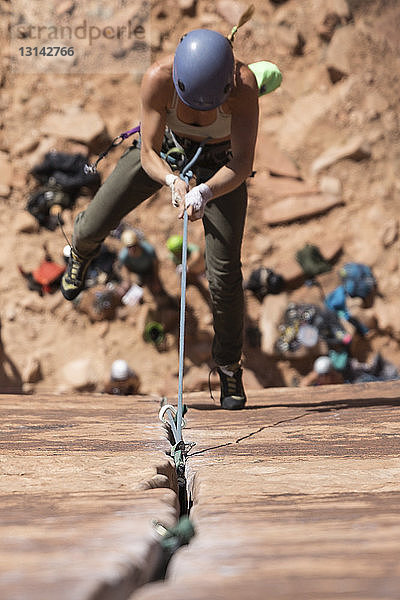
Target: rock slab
(81,481)
(294,208)
(78,125)
(297,496)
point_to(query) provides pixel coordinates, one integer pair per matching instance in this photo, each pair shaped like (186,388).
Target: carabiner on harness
(116,142)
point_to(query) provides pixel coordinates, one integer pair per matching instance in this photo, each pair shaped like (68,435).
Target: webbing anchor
(172,538)
(92,168)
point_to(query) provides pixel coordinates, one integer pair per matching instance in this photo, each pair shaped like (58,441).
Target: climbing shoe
(233,396)
(73,280)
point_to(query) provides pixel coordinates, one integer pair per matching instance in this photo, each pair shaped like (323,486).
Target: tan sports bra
(220,128)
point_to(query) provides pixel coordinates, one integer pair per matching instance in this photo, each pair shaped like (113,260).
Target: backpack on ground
(263,281)
(311,261)
(45,279)
(67,171)
(357,280)
(61,177)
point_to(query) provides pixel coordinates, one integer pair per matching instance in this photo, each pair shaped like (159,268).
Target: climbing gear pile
(325,321)
(46,202)
(67,171)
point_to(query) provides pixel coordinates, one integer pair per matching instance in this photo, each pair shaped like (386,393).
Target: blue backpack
(357,279)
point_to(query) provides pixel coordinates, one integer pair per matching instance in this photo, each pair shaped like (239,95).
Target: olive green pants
(223,221)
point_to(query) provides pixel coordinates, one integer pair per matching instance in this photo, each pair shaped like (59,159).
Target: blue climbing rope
(182,329)
(185,176)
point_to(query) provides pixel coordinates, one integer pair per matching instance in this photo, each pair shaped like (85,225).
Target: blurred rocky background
(326,174)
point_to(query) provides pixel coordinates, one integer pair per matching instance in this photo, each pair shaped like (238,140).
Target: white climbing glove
(198,198)
(170,179)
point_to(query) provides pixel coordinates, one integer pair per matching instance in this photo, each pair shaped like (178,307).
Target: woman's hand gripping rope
(178,188)
(195,202)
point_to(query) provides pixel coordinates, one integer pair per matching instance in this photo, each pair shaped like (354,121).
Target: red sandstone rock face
(296,497)
(305,120)
(300,478)
(6,175)
(78,497)
(294,209)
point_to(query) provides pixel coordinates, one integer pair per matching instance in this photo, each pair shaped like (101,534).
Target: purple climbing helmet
(203,69)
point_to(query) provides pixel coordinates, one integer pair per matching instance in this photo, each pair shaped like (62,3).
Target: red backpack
(48,275)
(45,279)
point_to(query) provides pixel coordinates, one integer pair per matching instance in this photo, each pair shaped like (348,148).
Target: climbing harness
(61,180)
(172,151)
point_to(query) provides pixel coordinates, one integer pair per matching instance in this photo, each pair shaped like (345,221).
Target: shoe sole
(232,404)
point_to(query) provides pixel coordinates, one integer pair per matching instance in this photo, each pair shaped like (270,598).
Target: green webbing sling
(268,76)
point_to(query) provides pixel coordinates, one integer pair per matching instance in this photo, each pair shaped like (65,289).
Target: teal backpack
(357,279)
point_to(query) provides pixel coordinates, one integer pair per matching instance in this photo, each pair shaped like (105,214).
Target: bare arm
(243,137)
(154,94)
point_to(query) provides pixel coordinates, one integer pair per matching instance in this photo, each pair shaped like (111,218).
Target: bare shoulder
(245,93)
(245,79)
(245,76)
(157,82)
